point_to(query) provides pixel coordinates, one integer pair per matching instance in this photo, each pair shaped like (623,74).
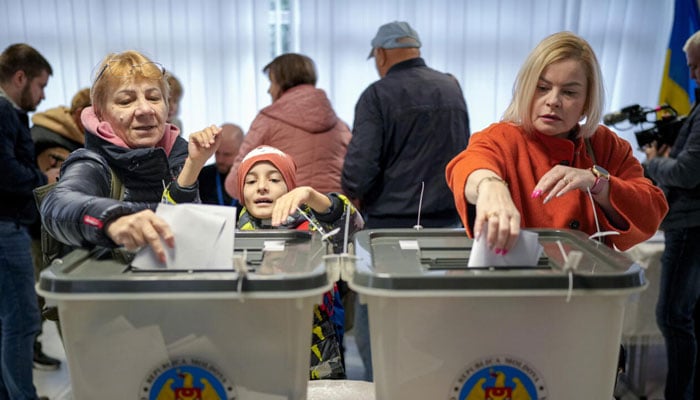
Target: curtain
(217,48)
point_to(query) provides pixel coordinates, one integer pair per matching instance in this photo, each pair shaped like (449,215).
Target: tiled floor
(56,384)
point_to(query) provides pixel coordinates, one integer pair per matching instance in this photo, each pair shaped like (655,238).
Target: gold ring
(492,214)
(567,180)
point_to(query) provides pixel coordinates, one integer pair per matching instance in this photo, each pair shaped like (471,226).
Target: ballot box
(239,334)
(440,330)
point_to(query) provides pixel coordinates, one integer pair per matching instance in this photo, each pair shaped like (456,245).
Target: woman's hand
(287,204)
(495,209)
(561,180)
(140,229)
(203,144)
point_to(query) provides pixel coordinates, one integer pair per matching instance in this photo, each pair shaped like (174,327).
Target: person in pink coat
(300,122)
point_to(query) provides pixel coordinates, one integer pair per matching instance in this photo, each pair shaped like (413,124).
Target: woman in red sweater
(538,165)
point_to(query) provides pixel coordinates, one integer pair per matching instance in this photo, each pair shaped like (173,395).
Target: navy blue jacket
(212,191)
(20,174)
(408,126)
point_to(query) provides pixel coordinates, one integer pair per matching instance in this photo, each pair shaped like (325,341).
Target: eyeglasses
(148,69)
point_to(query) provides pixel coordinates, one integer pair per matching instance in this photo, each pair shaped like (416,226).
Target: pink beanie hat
(282,161)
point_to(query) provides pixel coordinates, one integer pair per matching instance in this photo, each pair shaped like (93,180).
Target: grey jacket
(679,175)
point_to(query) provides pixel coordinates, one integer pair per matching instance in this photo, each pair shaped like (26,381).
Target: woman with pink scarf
(126,137)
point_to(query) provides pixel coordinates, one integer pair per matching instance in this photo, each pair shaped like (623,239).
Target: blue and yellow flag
(677,89)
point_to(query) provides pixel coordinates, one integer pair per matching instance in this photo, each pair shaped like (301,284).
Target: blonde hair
(80,100)
(554,48)
(119,68)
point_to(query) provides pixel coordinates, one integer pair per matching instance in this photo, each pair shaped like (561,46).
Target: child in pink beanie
(270,198)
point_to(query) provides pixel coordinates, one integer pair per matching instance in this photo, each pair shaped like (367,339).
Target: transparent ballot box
(441,330)
(239,333)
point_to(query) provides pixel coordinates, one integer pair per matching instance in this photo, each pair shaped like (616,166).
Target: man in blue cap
(408,126)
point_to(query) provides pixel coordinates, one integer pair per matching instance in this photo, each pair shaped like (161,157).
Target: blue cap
(388,35)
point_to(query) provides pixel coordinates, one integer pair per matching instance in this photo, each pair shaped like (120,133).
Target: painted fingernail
(536,193)
(497,251)
(504,252)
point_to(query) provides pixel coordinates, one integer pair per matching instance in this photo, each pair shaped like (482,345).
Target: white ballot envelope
(204,237)
(525,253)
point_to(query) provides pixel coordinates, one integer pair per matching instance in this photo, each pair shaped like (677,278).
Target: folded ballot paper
(204,236)
(525,253)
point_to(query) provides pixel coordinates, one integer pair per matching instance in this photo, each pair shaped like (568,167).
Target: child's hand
(287,204)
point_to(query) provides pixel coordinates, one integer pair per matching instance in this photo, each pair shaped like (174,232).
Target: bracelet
(489,178)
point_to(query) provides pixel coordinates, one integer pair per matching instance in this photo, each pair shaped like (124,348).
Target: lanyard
(220,191)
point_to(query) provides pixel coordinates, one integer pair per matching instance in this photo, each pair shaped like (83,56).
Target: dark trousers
(19,313)
(677,311)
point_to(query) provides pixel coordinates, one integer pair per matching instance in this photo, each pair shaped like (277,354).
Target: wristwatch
(602,176)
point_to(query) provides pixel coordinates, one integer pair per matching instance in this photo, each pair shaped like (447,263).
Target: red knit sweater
(522,159)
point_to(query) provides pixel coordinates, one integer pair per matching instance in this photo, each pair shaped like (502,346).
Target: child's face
(262,186)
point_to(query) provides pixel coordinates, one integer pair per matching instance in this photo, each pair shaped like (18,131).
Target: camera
(663,130)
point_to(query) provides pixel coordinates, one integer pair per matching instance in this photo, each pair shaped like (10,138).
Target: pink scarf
(104,130)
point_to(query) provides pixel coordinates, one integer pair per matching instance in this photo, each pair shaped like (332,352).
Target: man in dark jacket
(23,75)
(408,126)
(677,311)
